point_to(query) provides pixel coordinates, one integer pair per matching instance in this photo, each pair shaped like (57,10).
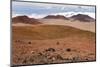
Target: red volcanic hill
(56,17)
(25,19)
(82,17)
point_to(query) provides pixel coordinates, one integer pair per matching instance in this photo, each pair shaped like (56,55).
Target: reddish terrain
(45,44)
(53,39)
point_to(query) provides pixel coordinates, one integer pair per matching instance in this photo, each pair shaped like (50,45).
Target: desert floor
(89,26)
(55,41)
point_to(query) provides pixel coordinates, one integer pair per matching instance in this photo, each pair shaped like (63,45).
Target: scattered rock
(68,49)
(52,58)
(50,49)
(29,42)
(17,41)
(40,53)
(57,43)
(59,57)
(55,57)
(32,52)
(24,61)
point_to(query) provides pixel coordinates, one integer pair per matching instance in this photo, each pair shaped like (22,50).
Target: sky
(39,10)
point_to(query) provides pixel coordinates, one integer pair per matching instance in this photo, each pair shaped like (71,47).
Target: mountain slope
(25,19)
(82,17)
(56,17)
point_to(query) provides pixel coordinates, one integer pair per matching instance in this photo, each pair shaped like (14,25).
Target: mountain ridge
(25,19)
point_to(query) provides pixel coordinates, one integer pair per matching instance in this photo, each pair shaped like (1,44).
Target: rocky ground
(71,45)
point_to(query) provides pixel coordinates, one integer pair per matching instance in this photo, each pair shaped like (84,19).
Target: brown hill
(56,17)
(82,17)
(25,19)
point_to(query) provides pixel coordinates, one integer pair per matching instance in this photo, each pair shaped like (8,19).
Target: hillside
(48,32)
(56,17)
(42,44)
(83,18)
(25,19)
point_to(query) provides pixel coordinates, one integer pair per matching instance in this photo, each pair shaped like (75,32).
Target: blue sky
(28,8)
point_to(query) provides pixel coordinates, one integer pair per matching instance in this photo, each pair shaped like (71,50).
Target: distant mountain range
(82,17)
(79,17)
(56,17)
(25,19)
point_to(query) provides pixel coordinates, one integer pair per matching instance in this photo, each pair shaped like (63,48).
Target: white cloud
(67,14)
(36,16)
(45,5)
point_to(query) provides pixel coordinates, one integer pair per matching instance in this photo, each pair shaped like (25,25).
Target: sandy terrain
(21,24)
(52,43)
(68,50)
(89,26)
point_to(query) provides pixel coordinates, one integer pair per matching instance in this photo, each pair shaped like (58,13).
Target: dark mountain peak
(82,17)
(24,16)
(55,17)
(25,19)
